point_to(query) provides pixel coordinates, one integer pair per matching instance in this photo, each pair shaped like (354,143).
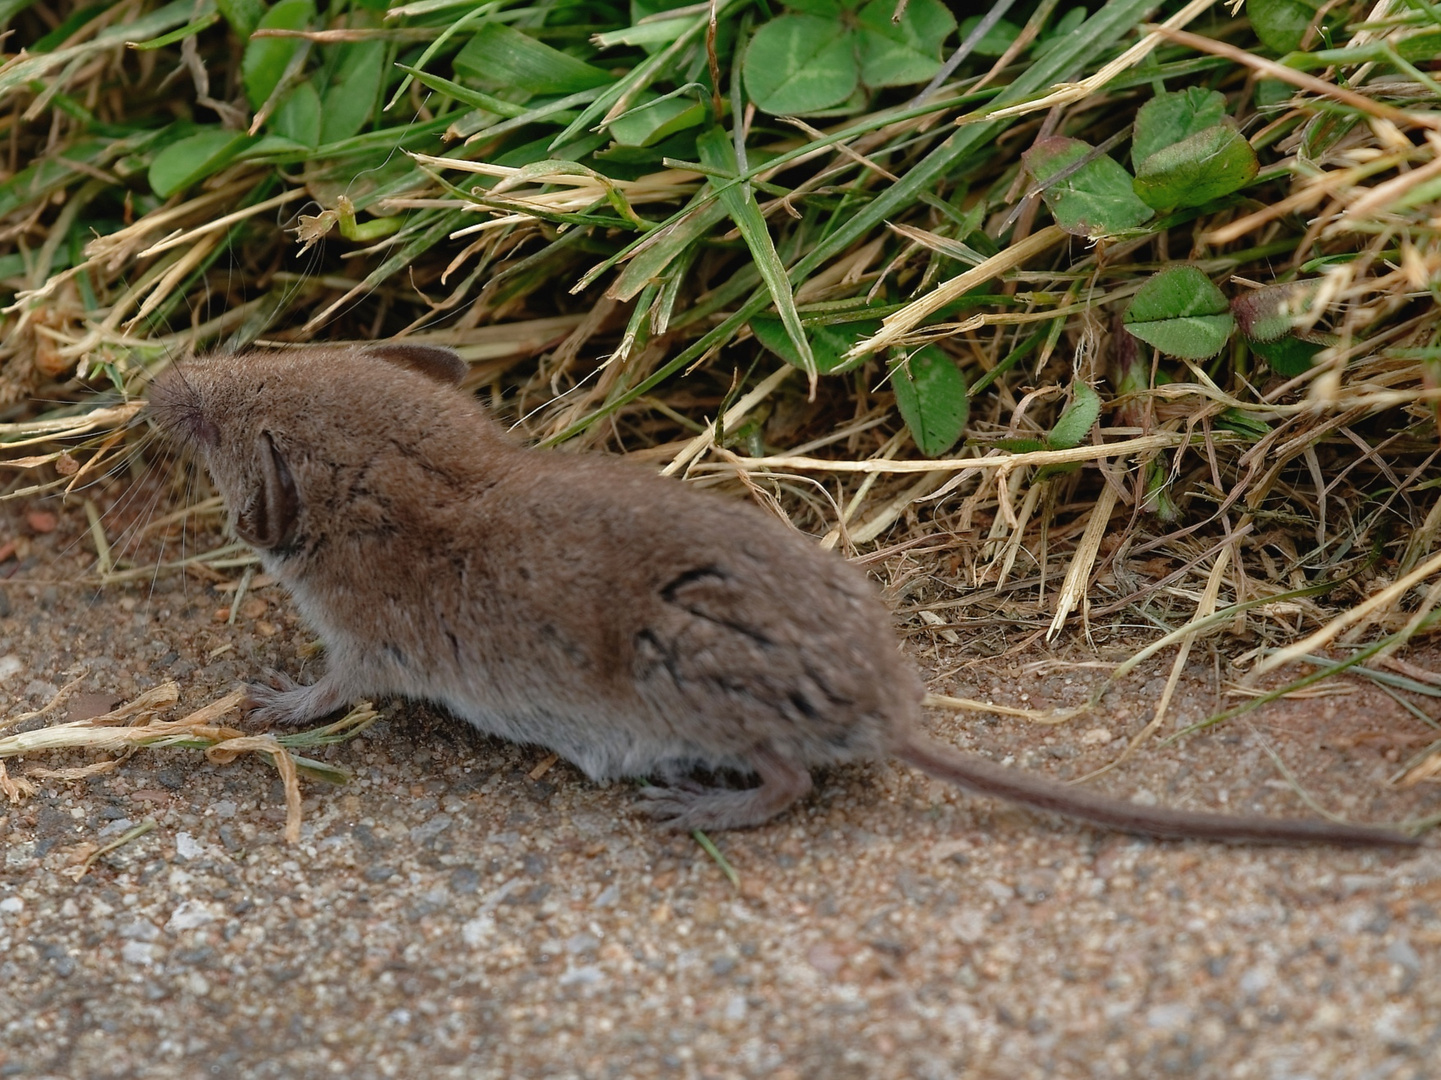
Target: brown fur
(633,624)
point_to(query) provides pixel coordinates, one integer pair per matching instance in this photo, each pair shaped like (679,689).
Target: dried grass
(138,724)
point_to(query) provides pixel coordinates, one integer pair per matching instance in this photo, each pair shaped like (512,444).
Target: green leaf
(899,54)
(266,59)
(829,344)
(931,395)
(348,101)
(1181,313)
(1187,151)
(1096,200)
(1288,356)
(1270,93)
(242,15)
(996,40)
(1169,118)
(800,64)
(656,120)
(194,158)
(1423,46)
(298,117)
(1078,419)
(500,57)
(1281,24)
(279,144)
(1206,166)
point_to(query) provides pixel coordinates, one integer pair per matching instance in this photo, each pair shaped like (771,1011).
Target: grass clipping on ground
(1064,320)
(138,724)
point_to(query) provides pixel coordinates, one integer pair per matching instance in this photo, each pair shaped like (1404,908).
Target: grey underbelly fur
(605,748)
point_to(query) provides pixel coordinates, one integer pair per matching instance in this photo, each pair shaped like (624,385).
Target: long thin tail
(986,778)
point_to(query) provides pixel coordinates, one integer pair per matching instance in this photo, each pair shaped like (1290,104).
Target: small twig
(145,826)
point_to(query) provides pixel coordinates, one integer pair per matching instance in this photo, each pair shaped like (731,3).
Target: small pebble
(138,952)
(41,521)
(1403,953)
(189,915)
(464,880)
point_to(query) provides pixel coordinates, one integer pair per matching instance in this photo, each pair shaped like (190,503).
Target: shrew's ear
(434,361)
(272,511)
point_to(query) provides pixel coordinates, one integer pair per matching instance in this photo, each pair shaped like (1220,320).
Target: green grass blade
(739,201)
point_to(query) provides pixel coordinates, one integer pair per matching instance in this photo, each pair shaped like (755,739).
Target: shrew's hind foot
(684,805)
(283,702)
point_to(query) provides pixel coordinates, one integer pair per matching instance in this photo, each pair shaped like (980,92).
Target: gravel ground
(447,915)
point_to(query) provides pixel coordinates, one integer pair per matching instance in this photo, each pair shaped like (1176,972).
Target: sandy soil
(446,915)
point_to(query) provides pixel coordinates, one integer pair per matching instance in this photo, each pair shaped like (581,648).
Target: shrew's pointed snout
(176,405)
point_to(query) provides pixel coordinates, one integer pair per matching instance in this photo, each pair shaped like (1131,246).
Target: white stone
(189,915)
(138,952)
(1168,1017)
(477,931)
